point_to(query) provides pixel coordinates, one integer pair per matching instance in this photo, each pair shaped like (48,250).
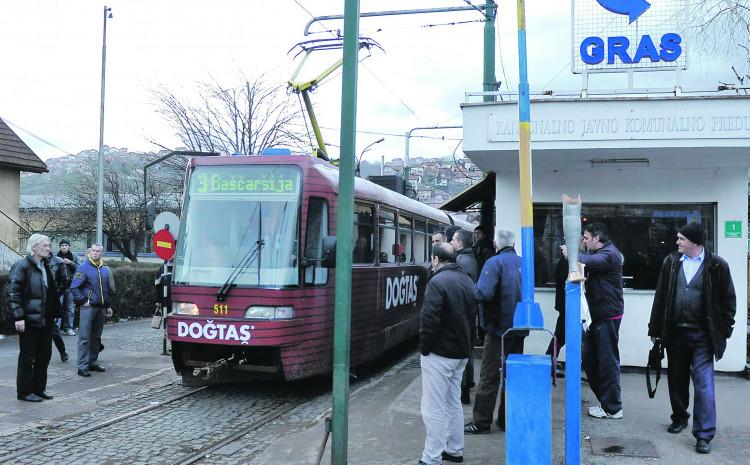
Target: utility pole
(100,172)
(343,293)
(490,10)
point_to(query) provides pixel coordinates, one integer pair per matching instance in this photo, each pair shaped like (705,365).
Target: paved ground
(385,423)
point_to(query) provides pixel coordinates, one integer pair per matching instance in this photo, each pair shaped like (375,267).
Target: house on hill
(15,157)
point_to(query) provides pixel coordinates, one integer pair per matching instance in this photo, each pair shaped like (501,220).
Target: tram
(251,293)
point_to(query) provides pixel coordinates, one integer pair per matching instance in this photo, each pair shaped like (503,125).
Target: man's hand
(564,250)
(20,326)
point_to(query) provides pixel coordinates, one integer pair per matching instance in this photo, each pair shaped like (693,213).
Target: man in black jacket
(600,356)
(69,307)
(33,305)
(693,316)
(461,242)
(445,329)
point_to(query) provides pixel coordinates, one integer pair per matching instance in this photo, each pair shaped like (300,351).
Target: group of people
(692,317)
(43,290)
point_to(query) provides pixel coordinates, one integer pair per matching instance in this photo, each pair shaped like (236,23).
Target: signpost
(164,247)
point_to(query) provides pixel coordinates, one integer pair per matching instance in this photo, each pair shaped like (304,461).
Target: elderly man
(445,344)
(693,316)
(91,289)
(33,305)
(497,291)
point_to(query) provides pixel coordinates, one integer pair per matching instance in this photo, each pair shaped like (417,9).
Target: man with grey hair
(497,291)
(445,326)
(33,305)
(92,288)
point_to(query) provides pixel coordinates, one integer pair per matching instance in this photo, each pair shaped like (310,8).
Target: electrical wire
(39,138)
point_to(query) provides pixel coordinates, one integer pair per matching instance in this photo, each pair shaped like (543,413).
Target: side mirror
(329,252)
(150,210)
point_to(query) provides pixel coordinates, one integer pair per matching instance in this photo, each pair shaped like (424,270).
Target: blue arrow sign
(632,8)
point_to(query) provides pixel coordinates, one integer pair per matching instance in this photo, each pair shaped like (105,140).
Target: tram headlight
(184,308)
(258,312)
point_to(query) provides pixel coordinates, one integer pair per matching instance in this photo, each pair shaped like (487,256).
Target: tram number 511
(221,309)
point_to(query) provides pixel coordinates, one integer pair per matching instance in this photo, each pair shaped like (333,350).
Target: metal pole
(408,137)
(343,295)
(573,373)
(489,49)
(528,313)
(100,171)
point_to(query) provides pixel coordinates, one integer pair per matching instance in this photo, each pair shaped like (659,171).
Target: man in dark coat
(69,307)
(33,304)
(497,291)
(693,316)
(600,356)
(446,323)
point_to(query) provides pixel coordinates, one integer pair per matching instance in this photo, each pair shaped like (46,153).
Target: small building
(15,157)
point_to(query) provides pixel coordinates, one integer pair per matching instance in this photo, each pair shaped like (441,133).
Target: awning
(483,190)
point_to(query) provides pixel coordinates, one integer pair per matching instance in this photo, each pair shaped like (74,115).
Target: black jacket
(604,282)
(467,261)
(70,270)
(448,313)
(28,298)
(719,301)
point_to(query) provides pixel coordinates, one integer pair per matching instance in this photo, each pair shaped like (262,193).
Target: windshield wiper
(247,260)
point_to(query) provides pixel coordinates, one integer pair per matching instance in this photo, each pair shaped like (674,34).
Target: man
(33,305)
(91,289)
(461,243)
(693,316)
(59,271)
(561,276)
(497,291)
(445,345)
(482,245)
(438,238)
(71,262)
(600,355)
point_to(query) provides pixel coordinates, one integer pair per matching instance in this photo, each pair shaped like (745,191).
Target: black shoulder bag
(655,356)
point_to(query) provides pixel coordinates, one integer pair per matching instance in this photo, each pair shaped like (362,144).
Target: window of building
(364,233)
(644,233)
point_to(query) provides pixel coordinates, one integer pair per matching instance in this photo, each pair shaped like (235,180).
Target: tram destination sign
(239,179)
(627,35)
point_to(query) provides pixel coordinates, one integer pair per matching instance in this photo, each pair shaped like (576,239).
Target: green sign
(733,229)
(245,179)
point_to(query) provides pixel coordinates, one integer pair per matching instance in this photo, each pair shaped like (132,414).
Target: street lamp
(356,171)
(100,183)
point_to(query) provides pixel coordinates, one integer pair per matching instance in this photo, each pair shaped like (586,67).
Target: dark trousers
(690,353)
(57,338)
(489,380)
(601,361)
(559,334)
(33,360)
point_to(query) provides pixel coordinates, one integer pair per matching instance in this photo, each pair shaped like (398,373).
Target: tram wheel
(190,380)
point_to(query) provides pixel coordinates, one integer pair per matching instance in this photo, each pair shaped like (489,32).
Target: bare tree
(722,26)
(236,120)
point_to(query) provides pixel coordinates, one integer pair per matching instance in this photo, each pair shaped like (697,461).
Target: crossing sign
(164,244)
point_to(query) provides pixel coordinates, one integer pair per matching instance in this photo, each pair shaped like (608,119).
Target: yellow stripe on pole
(166,245)
(524,162)
(521,14)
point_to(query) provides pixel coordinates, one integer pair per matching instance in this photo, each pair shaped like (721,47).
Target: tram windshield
(230,210)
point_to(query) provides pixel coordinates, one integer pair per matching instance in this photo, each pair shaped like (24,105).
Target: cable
(39,138)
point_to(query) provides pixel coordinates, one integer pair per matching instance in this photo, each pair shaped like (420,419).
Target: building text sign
(621,35)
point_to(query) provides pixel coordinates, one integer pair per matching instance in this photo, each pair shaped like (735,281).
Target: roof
(14,152)
(482,191)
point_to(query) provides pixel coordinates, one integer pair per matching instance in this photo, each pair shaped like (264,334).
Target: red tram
(249,291)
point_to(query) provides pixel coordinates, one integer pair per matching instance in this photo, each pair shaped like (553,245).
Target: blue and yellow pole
(528,313)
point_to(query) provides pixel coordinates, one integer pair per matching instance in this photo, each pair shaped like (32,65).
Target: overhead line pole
(490,10)
(343,293)
(100,171)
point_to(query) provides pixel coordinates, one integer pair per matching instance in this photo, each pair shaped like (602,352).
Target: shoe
(98,368)
(84,373)
(702,446)
(676,427)
(70,332)
(30,398)
(64,356)
(473,428)
(598,412)
(422,463)
(452,458)
(45,396)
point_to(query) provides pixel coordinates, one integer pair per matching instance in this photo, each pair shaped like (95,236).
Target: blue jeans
(68,309)
(689,353)
(90,328)
(601,361)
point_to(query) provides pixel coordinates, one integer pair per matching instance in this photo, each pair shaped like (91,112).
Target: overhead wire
(35,136)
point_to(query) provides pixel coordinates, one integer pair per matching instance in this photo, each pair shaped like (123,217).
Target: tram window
(364,233)
(405,234)
(420,240)
(644,233)
(317,227)
(387,229)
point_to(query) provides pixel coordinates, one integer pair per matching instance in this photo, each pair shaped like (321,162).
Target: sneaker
(598,412)
(70,332)
(452,458)
(473,428)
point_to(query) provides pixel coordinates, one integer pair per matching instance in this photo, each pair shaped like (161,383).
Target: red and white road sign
(164,244)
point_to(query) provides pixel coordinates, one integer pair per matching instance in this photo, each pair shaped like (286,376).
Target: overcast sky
(51,65)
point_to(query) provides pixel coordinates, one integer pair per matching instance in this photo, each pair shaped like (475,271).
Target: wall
(727,187)
(10,185)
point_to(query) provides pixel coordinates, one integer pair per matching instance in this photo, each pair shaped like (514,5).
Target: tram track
(25,451)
